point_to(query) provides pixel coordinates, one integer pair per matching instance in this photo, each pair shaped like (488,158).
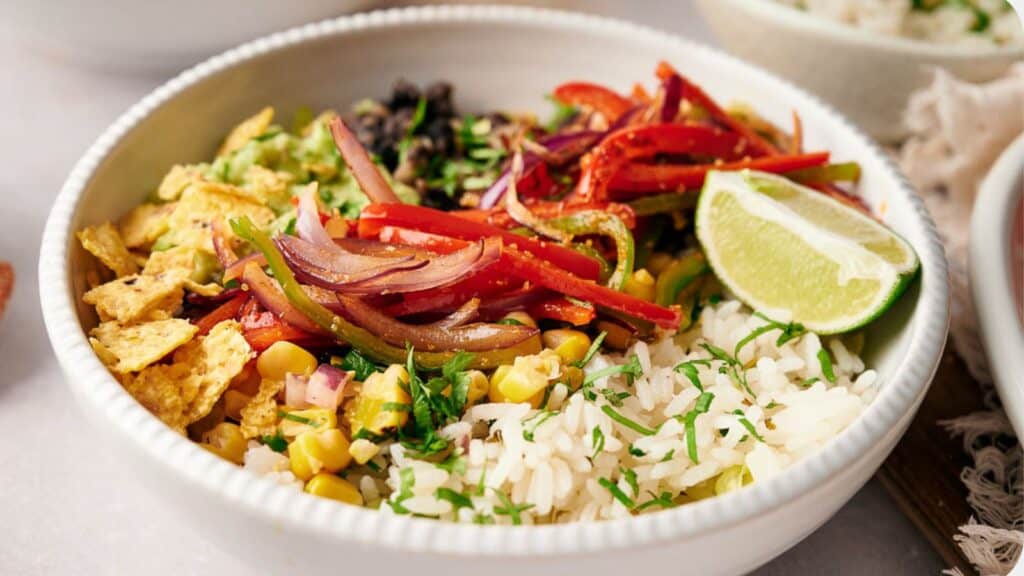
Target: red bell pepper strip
(695,94)
(226,311)
(483,285)
(641,178)
(537,271)
(610,104)
(261,328)
(564,311)
(425,240)
(647,141)
(376,216)
(548,210)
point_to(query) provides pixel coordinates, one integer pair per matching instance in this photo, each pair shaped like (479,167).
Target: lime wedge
(794,254)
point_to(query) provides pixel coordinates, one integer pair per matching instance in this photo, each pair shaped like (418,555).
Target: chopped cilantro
(453,464)
(296,418)
(732,366)
(359,364)
(689,369)
(406,481)
(597,441)
(594,347)
(631,369)
(630,476)
(510,322)
(790,331)
(690,423)
(617,492)
(632,425)
(510,509)
(531,424)
(664,500)
(457,500)
(747,424)
(825,359)
(277,443)
(636,452)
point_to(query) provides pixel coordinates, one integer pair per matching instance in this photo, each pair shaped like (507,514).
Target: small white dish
(867,76)
(496,57)
(996,268)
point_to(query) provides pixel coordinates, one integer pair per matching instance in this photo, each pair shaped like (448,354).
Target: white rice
(557,473)
(950,23)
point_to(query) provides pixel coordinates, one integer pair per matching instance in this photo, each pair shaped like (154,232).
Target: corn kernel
(234,401)
(478,386)
(285,358)
(296,422)
(570,345)
(572,377)
(494,386)
(367,410)
(226,440)
(330,486)
(640,285)
(526,379)
(362,450)
(521,317)
(314,451)
(732,478)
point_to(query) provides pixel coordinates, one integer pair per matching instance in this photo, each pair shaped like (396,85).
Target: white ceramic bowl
(497,57)
(996,267)
(866,76)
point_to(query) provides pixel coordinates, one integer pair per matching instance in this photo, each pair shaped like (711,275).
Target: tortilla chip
(223,188)
(158,389)
(259,417)
(269,186)
(200,206)
(213,361)
(133,297)
(176,180)
(145,223)
(105,243)
(103,353)
(209,289)
(178,260)
(247,130)
(138,346)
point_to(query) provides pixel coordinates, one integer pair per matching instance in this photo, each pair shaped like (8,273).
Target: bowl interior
(513,59)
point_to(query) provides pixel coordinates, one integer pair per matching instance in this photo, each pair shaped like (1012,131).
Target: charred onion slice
(365,171)
(334,267)
(477,337)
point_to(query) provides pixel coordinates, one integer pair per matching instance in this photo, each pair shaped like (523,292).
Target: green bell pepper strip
(588,222)
(678,276)
(606,268)
(844,172)
(663,203)
(340,328)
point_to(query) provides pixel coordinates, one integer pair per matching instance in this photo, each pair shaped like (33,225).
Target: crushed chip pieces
(175,181)
(213,360)
(268,186)
(105,243)
(247,130)
(131,298)
(259,417)
(177,260)
(158,388)
(132,348)
(145,223)
(199,206)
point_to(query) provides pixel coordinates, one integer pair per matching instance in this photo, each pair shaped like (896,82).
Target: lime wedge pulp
(792,253)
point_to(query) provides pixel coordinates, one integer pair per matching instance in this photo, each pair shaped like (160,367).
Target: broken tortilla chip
(259,417)
(131,297)
(176,180)
(213,361)
(246,130)
(105,243)
(158,389)
(191,223)
(136,347)
(145,223)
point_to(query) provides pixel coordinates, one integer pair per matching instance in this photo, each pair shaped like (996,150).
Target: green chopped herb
(531,424)
(664,500)
(296,418)
(790,331)
(632,425)
(457,500)
(597,441)
(614,398)
(395,407)
(373,466)
(631,369)
(690,423)
(510,509)
(714,299)
(825,359)
(359,364)
(731,366)
(617,492)
(510,322)
(562,114)
(689,369)
(406,481)
(630,476)
(453,464)
(636,452)
(807,382)
(747,424)
(668,455)
(277,443)
(483,519)
(414,124)
(592,351)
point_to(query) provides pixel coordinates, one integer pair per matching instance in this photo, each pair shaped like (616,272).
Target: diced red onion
(295,390)
(326,387)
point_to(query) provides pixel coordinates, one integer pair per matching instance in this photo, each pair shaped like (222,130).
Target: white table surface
(67,506)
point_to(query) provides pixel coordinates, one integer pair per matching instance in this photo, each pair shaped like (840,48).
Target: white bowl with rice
(865,58)
(823,446)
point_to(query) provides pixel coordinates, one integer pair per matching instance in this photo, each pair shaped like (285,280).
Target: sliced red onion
(437,272)
(462,315)
(222,244)
(295,390)
(521,214)
(514,300)
(234,271)
(626,119)
(382,249)
(471,337)
(365,171)
(672,94)
(334,266)
(273,299)
(307,219)
(326,387)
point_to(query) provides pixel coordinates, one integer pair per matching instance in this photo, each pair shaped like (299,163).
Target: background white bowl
(996,268)
(867,76)
(496,57)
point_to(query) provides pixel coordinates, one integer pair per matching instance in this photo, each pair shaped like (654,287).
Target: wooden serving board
(923,472)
